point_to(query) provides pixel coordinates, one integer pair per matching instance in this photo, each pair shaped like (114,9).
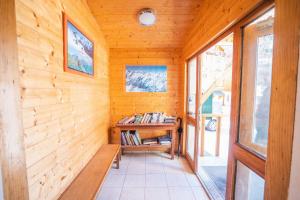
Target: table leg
(173,133)
(118,159)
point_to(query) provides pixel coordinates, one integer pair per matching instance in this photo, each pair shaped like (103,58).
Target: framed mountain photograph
(146,78)
(78,49)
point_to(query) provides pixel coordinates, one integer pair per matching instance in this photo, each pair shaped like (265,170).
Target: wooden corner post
(12,154)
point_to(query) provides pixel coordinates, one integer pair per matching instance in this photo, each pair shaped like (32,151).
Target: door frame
(236,151)
(197,120)
(190,120)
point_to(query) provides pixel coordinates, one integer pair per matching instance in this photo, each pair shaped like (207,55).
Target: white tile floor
(151,176)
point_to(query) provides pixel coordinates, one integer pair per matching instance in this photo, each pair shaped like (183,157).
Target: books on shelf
(170,120)
(148,118)
(164,140)
(130,138)
(150,141)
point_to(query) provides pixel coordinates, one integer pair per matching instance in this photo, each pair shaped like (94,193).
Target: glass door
(251,106)
(215,66)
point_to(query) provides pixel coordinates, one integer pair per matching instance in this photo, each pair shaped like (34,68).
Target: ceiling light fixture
(147,17)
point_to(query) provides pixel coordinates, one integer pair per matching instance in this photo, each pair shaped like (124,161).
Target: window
(256,83)
(249,186)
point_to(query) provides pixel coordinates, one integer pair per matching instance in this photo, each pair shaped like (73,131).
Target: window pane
(191,141)
(256,83)
(192,84)
(248,186)
(216,64)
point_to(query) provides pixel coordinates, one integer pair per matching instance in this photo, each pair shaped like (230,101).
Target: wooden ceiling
(118,21)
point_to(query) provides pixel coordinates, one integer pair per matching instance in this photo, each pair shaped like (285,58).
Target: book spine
(138,137)
(135,139)
(131,139)
(128,138)
(123,140)
(143,119)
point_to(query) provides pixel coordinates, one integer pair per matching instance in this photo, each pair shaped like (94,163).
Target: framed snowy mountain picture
(78,49)
(146,78)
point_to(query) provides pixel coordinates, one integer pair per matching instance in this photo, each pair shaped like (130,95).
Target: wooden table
(155,126)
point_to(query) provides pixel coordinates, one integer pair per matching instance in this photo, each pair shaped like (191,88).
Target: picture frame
(78,49)
(146,78)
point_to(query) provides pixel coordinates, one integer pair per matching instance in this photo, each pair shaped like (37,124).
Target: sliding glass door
(215,66)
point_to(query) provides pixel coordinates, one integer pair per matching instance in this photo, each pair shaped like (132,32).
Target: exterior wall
(65,116)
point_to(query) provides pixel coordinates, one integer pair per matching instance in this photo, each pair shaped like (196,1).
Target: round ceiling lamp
(147,17)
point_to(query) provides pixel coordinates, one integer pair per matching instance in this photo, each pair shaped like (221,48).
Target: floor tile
(199,193)
(157,194)
(136,168)
(156,180)
(181,193)
(151,176)
(109,193)
(114,181)
(153,158)
(173,169)
(193,180)
(121,170)
(134,181)
(155,168)
(133,194)
(179,180)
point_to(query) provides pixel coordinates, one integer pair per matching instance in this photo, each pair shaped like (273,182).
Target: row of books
(146,118)
(133,138)
(162,140)
(130,138)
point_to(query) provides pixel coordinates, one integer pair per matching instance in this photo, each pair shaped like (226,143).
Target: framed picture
(146,78)
(78,49)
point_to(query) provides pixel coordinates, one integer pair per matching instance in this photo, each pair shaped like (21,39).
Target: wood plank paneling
(213,19)
(12,154)
(283,99)
(127,103)
(119,22)
(66,117)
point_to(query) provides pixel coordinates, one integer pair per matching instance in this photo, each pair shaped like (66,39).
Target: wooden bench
(86,185)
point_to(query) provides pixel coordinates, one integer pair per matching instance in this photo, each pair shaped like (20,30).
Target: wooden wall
(127,103)
(66,116)
(215,17)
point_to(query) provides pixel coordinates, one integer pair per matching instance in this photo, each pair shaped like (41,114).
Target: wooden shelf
(146,147)
(170,127)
